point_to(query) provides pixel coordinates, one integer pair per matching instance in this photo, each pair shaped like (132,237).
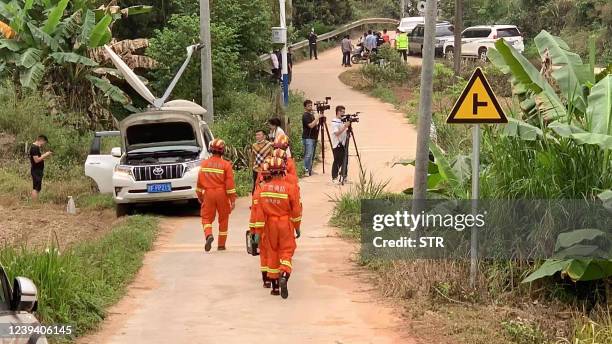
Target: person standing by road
(385,36)
(260,150)
(37,162)
(216,192)
(338,142)
(401,44)
(312,42)
(370,41)
(310,126)
(276,71)
(347,48)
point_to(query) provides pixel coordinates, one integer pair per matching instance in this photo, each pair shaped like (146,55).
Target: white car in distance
(477,40)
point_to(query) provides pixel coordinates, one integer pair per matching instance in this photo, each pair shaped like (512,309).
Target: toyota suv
(477,40)
(17,303)
(444,32)
(159,158)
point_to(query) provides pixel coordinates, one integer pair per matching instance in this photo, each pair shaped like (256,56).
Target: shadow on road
(168,209)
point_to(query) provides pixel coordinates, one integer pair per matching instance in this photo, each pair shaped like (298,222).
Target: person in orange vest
(217,193)
(280,211)
(257,228)
(282,142)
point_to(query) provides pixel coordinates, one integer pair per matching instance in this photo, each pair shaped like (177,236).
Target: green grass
(75,287)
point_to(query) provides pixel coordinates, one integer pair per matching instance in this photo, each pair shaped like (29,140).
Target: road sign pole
(285,67)
(475,196)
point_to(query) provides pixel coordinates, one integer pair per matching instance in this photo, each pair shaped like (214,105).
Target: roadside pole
(285,68)
(424,122)
(403,9)
(206,62)
(475,196)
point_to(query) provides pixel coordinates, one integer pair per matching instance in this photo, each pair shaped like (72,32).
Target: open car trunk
(160,129)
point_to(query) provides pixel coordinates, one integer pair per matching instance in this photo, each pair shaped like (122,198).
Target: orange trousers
(279,242)
(263,251)
(216,201)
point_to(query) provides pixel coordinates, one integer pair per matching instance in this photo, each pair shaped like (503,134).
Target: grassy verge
(76,286)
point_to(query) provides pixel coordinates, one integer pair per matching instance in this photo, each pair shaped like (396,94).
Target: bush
(390,69)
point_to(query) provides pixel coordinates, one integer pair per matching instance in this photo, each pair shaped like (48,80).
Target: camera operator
(310,122)
(338,141)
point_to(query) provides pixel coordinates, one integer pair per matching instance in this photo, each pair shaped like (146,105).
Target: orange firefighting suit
(217,192)
(280,211)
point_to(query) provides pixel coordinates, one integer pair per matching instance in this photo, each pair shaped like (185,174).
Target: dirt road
(183,295)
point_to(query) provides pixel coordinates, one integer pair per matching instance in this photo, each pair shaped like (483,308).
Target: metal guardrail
(344,28)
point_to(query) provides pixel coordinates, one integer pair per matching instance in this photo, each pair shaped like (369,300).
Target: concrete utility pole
(403,9)
(285,67)
(458,29)
(424,122)
(206,61)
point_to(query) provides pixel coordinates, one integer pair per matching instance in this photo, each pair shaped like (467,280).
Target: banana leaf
(575,269)
(599,112)
(566,240)
(11,45)
(601,140)
(31,77)
(70,26)
(88,24)
(54,17)
(136,10)
(565,130)
(100,32)
(62,58)
(109,90)
(30,57)
(522,130)
(44,37)
(571,74)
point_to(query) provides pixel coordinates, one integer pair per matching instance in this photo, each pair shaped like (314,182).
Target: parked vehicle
(408,24)
(477,40)
(17,303)
(159,158)
(361,56)
(444,32)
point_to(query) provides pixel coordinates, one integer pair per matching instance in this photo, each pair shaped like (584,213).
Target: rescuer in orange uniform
(282,142)
(217,193)
(257,228)
(280,211)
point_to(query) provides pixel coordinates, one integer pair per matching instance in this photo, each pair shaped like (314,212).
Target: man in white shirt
(338,141)
(276,71)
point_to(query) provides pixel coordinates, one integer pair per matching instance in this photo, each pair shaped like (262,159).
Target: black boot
(284,292)
(209,241)
(266,282)
(274,290)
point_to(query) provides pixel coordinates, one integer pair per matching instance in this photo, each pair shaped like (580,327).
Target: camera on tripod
(351,118)
(323,105)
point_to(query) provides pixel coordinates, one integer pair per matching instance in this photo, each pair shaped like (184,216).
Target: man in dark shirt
(312,42)
(37,161)
(310,122)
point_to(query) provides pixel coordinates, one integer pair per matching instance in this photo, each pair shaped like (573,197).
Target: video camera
(351,118)
(322,106)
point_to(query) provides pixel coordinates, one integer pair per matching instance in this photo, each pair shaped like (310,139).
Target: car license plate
(160,187)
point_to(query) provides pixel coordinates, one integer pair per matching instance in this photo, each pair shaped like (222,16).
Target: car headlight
(192,164)
(439,42)
(123,169)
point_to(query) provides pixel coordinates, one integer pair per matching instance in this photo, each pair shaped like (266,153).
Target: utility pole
(206,62)
(424,121)
(285,67)
(403,9)
(458,30)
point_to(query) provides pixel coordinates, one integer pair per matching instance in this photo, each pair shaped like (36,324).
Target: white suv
(159,160)
(477,40)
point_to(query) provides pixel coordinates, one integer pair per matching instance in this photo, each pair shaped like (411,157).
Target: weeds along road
(183,295)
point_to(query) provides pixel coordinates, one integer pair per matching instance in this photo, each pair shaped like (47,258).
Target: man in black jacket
(312,42)
(37,162)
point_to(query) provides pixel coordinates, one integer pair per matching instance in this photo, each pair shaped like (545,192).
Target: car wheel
(482,54)
(449,54)
(123,210)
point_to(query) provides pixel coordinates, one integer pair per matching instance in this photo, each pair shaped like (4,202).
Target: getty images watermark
(528,229)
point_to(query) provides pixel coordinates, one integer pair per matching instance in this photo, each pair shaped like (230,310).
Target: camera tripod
(349,135)
(323,129)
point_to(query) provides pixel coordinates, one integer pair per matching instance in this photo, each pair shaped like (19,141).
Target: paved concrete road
(183,295)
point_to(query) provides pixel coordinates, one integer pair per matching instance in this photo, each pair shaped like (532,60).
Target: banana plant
(55,49)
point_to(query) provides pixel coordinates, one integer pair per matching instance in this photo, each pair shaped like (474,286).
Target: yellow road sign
(477,103)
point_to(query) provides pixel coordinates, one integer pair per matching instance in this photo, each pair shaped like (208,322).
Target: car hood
(171,118)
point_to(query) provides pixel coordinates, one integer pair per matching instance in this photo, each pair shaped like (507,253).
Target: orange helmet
(217,146)
(281,141)
(279,153)
(277,166)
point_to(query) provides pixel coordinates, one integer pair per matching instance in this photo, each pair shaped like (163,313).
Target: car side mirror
(116,152)
(24,296)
